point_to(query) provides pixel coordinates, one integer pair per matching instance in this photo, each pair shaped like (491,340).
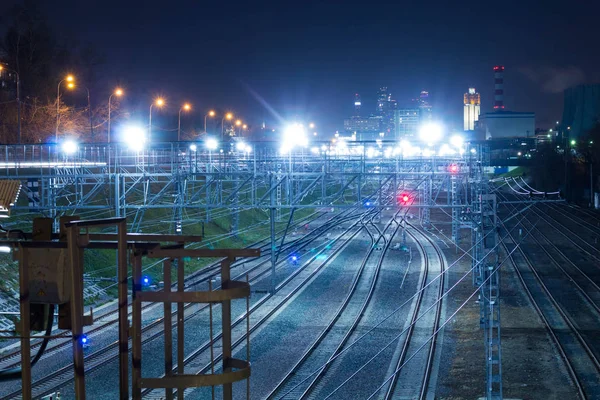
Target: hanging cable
(392,313)
(434,334)
(15,373)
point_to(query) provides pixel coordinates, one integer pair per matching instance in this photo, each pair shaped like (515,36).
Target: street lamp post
(211,113)
(227,116)
(18,102)
(185,107)
(119,93)
(69,79)
(90,114)
(159,103)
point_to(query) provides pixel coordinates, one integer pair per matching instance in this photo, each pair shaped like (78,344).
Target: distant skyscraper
(382,100)
(357,104)
(472,102)
(407,121)
(385,109)
(425,108)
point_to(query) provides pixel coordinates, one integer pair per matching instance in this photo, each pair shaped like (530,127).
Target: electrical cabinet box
(49,275)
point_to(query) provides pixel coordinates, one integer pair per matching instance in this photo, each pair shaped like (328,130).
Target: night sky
(308,58)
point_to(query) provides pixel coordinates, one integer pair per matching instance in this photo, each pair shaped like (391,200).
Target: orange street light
(238,122)
(159,101)
(227,116)
(211,113)
(71,80)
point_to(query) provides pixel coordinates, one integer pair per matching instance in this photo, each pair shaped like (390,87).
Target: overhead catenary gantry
(190,182)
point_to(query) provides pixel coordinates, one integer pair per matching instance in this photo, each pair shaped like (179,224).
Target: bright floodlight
(248,149)
(294,135)
(5,249)
(430,132)
(193,147)
(457,141)
(69,147)
(240,146)
(135,137)
(212,144)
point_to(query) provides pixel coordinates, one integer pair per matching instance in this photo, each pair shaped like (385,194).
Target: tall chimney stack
(499,87)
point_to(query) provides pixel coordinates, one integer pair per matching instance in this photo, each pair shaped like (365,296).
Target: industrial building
(365,128)
(506,124)
(407,121)
(502,123)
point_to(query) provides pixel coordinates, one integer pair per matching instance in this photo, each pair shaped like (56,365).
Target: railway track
(12,359)
(199,359)
(401,385)
(96,359)
(578,356)
(300,381)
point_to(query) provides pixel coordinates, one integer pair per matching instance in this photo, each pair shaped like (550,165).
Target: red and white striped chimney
(499,87)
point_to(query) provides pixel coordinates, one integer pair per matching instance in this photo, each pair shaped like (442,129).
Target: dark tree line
(42,58)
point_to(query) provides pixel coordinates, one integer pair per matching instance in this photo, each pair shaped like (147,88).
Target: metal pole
(57,111)
(248,338)
(273,247)
(76,310)
(179,126)
(226,328)
(123,308)
(25,315)
(212,351)
(136,327)
(167,327)
(18,108)
(108,135)
(206,116)
(180,325)
(150,123)
(90,115)
(222,128)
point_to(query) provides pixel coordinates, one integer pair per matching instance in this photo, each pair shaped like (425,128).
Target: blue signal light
(145,281)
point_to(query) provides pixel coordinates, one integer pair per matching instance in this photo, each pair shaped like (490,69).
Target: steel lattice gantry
(113,181)
(185,187)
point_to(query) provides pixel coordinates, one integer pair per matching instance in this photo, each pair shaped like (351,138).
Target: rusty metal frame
(233,369)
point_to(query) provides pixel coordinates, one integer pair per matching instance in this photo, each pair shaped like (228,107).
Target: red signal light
(404,198)
(453,168)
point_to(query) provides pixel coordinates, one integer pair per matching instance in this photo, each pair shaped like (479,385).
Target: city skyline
(266,57)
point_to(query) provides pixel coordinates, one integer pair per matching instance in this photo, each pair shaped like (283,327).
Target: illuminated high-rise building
(385,109)
(357,104)
(472,101)
(383,96)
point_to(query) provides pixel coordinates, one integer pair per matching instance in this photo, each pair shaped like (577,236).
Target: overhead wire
(409,300)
